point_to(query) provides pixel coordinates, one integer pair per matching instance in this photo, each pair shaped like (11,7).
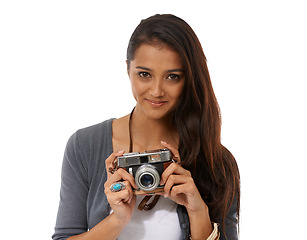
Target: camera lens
(147,177)
(146,180)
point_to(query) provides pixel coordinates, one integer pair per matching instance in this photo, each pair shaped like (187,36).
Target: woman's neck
(147,133)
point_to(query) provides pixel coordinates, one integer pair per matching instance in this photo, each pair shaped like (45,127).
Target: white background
(62,67)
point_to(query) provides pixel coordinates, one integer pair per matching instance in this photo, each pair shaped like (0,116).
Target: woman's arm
(122,204)
(72,214)
(200,224)
(179,186)
(72,211)
(108,229)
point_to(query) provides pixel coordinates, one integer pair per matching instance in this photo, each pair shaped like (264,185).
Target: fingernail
(121,152)
(165,195)
(163,142)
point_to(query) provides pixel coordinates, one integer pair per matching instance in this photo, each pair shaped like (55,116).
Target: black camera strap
(144,205)
(130,135)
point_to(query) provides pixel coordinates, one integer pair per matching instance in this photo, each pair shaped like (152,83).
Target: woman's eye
(144,74)
(175,77)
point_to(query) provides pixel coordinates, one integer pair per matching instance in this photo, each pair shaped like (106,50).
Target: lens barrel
(147,177)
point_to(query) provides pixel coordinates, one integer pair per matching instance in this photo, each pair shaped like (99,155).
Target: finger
(110,160)
(129,189)
(114,187)
(175,152)
(177,190)
(119,197)
(173,168)
(173,181)
(119,175)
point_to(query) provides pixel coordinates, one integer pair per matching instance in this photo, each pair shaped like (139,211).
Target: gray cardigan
(83,203)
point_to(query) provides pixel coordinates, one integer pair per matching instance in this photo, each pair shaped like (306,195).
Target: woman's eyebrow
(143,68)
(171,70)
(175,70)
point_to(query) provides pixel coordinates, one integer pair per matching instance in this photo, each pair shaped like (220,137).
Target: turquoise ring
(118,186)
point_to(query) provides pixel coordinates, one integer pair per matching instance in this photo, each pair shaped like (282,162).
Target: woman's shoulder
(92,136)
(96,130)
(90,144)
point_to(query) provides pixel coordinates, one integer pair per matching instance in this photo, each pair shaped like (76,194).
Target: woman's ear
(127,67)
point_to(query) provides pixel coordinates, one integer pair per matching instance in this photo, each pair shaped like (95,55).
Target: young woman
(175,109)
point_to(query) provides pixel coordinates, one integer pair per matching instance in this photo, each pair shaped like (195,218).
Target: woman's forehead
(157,55)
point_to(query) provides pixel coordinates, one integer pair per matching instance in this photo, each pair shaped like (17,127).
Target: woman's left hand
(179,185)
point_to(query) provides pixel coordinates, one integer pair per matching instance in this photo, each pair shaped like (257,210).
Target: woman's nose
(156,89)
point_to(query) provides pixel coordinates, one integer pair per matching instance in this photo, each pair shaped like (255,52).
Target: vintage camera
(146,168)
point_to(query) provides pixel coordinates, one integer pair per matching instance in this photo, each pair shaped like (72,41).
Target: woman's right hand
(122,202)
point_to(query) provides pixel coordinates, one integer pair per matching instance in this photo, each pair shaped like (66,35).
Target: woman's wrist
(200,223)
(109,228)
(202,209)
(118,222)
(112,226)
(215,234)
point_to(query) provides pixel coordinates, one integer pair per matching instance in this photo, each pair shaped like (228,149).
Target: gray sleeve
(231,224)
(72,212)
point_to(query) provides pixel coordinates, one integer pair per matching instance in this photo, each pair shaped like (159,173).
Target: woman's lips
(156,103)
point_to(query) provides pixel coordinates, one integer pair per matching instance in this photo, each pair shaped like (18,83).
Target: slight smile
(156,103)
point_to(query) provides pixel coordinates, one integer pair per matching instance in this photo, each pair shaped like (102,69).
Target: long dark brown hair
(197,116)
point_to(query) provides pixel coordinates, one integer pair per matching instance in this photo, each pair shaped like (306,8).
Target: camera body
(146,168)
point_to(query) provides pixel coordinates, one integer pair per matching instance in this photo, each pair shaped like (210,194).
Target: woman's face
(157,79)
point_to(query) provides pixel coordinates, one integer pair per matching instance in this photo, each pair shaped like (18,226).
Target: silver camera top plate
(136,158)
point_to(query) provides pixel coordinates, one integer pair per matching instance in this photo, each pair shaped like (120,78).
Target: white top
(161,222)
